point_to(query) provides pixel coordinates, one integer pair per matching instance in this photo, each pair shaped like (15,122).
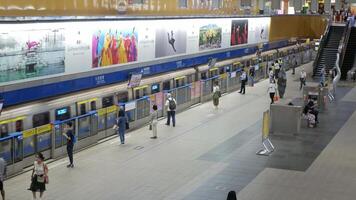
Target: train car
(38,126)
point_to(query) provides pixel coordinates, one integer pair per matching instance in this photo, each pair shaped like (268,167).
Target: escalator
(350,53)
(328,49)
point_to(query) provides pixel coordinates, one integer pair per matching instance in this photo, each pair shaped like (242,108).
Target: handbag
(46,180)
(276,98)
(115,127)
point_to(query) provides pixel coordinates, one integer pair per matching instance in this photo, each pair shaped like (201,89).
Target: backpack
(172,104)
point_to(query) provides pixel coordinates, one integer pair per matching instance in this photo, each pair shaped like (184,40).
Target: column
(314,6)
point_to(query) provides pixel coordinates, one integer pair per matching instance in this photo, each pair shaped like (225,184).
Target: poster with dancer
(170,41)
(239,32)
(114,46)
(29,51)
(210,37)
(258,30)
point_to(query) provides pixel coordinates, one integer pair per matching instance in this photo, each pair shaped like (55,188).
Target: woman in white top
(154,121)
(216,95)
(272,90)
(39,176)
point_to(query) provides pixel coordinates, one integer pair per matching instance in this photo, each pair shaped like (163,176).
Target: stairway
(328,53)
(350,54)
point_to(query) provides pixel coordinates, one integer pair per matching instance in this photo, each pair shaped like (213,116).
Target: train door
(179,81)
(213,72)
(107,116)
(84,122)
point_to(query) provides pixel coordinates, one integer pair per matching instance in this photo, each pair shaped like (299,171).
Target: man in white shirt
(171,105)
(243,79)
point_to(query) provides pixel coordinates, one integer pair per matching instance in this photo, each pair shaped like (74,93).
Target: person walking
(282,82)
(272,90)
(121,123)
(70,142)
(216,95)
(171,105)
(252,75)
(243,79)
(2,176)
(154,121)
(271,74)
(276,69)
(303,77)
(294,64)
(39,176)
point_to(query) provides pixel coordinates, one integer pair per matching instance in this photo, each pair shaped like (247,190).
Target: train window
(82,109)
(190,79)
(123,97)
(178,83)
(183,3)
(107,101)
(155,88)
(228,68)
(93,105)
(144,92)
(203,75)
(166,85)
(137,1)
(4,130)
(40,119)
(62,113)
(137,94)
(221,70)
(18,126)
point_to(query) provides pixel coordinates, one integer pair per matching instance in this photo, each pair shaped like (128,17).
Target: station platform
(211,152)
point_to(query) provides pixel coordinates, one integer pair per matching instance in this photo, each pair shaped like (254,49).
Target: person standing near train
(121,123)
(171,105)
(154,121)
(243,79)
(2,176)
(216,94)
(70,142)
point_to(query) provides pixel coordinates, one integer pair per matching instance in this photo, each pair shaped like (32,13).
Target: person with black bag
(243,79)
(154,122)
(171,105)
(39,177)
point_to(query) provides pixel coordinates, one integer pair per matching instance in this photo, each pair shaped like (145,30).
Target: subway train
(38,126)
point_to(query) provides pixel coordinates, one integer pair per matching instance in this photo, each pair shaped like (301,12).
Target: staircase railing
(344,41)
(321,45)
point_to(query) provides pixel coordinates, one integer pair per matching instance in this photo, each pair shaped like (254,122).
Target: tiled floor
(211,152)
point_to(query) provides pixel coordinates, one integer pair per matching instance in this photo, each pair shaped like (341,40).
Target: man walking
(171,105)
(303,77)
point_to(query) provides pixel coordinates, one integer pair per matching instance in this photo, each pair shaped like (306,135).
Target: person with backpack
(122,124)
(243,79)
(216,95)
(171,105)
(70,142)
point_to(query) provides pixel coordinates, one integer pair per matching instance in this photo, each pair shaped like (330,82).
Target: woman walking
(39,176)
(216,95)
(121,123)
(272,90)
(154,121)
(282,82)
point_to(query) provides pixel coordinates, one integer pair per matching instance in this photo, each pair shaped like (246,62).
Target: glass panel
(101,122)
(94,124)
(4,130)
(18,148)
(29,146)
(131,115)
(143,108)
(83,127)
(110,120)
(44,142)
(5,151)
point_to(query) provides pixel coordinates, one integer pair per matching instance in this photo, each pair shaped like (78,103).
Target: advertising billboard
(239,32)
(210,37)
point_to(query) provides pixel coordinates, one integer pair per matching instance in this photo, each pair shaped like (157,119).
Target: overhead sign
(135,80)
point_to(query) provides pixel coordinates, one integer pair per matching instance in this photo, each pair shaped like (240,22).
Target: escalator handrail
(344,42)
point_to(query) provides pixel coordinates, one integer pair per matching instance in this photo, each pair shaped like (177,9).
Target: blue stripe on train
(59,88)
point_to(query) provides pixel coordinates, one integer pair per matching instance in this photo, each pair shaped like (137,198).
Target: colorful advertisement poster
(210,37)
(159,100)
(31,52)
(114,46)
(239,32)
(170,40)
